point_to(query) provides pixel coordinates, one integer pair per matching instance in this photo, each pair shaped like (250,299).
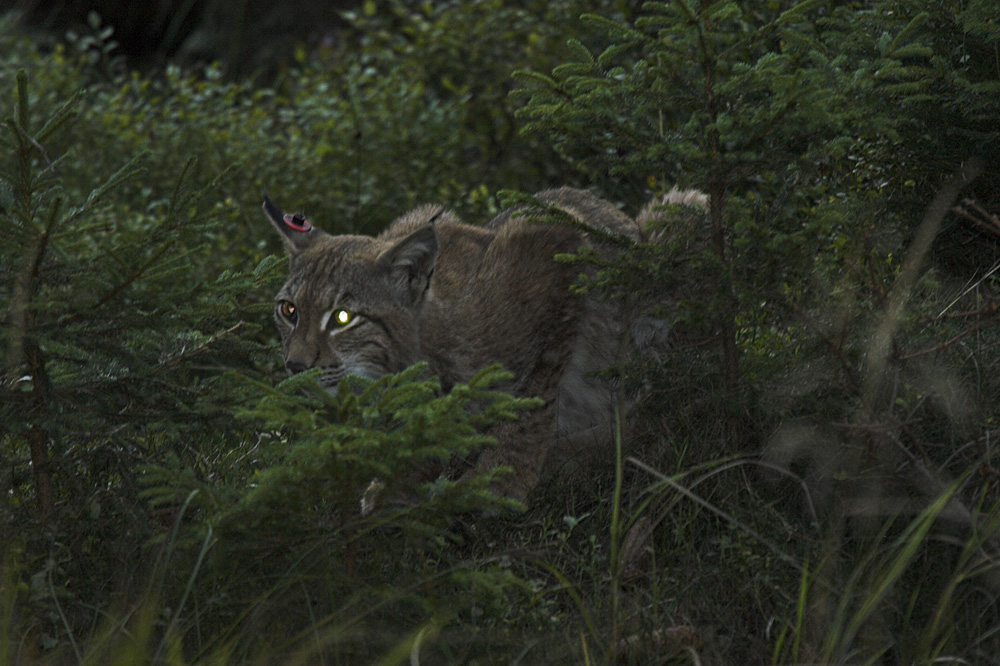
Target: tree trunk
(727,313)
(38,441)
(38,438)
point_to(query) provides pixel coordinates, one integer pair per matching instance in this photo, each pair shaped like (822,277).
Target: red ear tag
(297,222)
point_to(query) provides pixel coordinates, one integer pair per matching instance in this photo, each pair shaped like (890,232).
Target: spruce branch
(186,354)
(34,142)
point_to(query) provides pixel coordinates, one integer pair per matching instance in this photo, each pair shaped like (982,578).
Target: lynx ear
(295,230)
(410,263)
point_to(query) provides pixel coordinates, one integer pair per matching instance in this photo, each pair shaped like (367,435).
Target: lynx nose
(294,366)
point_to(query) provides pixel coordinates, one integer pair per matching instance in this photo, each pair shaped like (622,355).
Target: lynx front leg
(521,445)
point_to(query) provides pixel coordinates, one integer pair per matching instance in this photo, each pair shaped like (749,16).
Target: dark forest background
(808,475)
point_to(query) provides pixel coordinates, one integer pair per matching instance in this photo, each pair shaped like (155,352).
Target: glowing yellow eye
(288,310)
(342,317)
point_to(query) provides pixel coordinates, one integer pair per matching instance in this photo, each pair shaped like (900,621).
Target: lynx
(459,297)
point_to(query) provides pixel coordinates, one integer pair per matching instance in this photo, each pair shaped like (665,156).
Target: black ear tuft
(295,230)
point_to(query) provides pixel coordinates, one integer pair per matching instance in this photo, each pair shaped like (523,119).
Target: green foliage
(410,107)
(466,52)
(797,120)
(719,96)
(114,346)
(705,91)
(116,381)
(785,116)
(789,488)
(281,528)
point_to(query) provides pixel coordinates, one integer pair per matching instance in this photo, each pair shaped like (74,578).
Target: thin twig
(38,147)
(835,348)
(987,220)
(944,345)
(985,311)
(185,353)
(990,272)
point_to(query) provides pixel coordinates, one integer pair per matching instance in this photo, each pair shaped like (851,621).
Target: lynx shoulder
(430,288)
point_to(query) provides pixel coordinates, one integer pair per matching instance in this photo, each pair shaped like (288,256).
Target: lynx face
(351,303)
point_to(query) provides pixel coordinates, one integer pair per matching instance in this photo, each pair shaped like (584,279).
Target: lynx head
(351,304)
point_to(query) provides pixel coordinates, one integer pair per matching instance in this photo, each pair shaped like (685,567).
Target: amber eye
(341,318)
(288,311)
